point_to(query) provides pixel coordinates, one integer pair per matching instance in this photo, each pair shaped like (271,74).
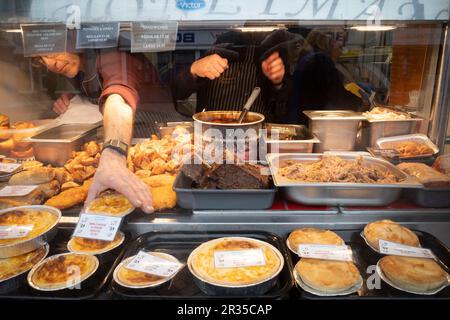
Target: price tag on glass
(16,191)
(326,252)
(152,264)
(239,258)
(9,167)
(397,249)
(13,232)
(98,227)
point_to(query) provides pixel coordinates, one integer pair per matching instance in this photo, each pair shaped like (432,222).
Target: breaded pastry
(35,175)
(70,197)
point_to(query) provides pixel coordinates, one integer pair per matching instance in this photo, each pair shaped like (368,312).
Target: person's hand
(210,67)
(112,173)
(62,103)
(273,68)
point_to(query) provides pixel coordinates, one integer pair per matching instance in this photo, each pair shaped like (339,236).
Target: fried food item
(413,274)
(4,120)
(163,197)
(22,154)
(18,137)
(4,133)
(412,149)
(37,196)
(35,175)
(159,180)
(141,174)
(328,276)
(335,169)
(390,231)
(70,197)
(6,146)
(27,165)
(62,175)
(68,185)
(83,164)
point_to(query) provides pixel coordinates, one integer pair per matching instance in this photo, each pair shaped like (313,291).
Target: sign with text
(152,264)
(397,249)
(16,191)
(98,35)
(326,252)
(153,36)
(43,39)
(98,227)
(9,167)
(13,232)
(239,258)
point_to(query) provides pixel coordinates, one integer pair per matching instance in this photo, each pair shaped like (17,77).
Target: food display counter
(335,189)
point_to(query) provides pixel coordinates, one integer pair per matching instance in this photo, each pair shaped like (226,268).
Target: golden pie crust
(112,204)
(390,231)
(41,221)
(93,246)
(328,276)
(313,236)
(14,266)
(62,271)
(413,274)
(202,263)
(133,278)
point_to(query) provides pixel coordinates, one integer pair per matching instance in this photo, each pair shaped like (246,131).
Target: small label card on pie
(239,258)
(326,252)
(16,191)
(9,167)
(13,232)
(397,249)
(152,264)
(97,227)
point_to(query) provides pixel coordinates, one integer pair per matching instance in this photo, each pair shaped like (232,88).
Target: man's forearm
(118,119)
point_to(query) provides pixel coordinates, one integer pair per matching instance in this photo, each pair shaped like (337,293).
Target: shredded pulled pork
(335,169)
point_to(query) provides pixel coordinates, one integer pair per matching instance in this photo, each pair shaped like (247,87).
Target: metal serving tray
(429,198)
(55,146)
(329,126)
(366,259)
(339,193)
(304,144)
(232,199)
(183,285)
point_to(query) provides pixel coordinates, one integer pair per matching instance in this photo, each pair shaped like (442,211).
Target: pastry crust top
(61,271)
(328,276)
(110,203)
(390,231)
(204,266)
(416,274)
(92,246)
(13,266)
(41,221)
(313,236)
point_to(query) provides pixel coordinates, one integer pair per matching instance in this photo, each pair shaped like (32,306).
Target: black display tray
(365,258)
(91,288)
(182,286)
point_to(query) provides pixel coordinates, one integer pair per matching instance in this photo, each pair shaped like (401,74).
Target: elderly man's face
(67,64)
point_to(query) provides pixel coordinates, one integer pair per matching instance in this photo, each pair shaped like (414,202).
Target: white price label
(397,249)
(16,191)
(97,227)
(9,167)
(239,258)
(13,232)
(152,264)
(326,252)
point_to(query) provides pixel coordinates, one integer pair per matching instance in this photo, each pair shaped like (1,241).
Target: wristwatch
(117,145)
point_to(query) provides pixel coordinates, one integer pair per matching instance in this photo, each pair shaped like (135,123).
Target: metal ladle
(249,104)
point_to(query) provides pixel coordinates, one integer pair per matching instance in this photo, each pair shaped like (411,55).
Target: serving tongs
(249,104)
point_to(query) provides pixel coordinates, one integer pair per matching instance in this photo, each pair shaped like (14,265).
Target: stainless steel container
(256,289)
(302,142)
(340,193)
(336,129)
(372,129)
(29,245)
(422,139)
(55,146)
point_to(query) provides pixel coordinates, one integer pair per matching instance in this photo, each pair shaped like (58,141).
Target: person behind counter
(317,84)
(239,61)
(117,95)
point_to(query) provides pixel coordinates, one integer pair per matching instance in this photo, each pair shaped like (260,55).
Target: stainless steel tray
(29,245)
(390,142)
(304,144)
(339,193)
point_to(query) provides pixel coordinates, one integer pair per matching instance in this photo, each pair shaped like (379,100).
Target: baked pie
(14,266)
(313,236)
(390,231)
(202,262)
(62,271)
(94,246)
(413,274)
(41,220)
(111,203)
(328,276)
(136,279)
